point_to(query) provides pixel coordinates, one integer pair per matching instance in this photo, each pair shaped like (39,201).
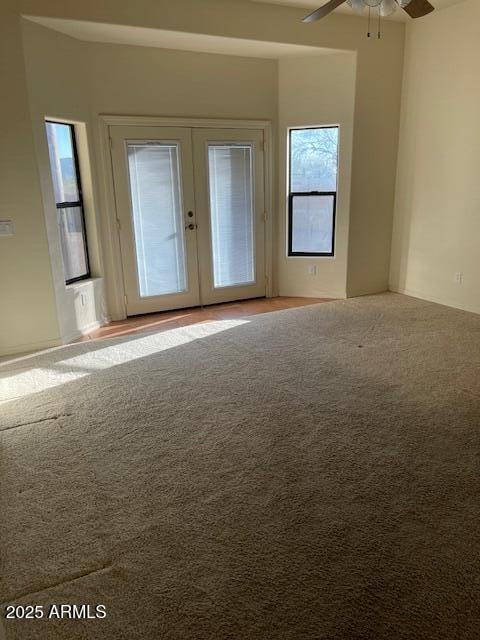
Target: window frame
(294,194)
(75,203)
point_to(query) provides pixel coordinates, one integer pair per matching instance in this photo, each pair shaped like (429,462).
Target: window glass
(72,236)
(313,159)
(312,224)
(62,162)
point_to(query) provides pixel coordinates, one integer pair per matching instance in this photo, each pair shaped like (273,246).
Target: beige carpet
(306,474)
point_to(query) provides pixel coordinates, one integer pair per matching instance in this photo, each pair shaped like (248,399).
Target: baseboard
(429,298)
(373,291)
(84,330)
(22,349)
(339,295)
(26,349)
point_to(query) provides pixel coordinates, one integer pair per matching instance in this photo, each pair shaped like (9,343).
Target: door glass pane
(72,241)
(314,159)
(231,214)
(157,218)
(312,224)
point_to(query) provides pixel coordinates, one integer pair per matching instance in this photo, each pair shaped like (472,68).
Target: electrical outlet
(6,228)
(458,278)
(312,269)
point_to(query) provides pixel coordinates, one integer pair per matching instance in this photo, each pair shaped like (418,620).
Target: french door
(190,207)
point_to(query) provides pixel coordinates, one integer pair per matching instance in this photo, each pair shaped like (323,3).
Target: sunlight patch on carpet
(33,379)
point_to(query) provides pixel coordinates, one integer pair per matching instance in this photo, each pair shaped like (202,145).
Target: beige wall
(27,304)
(129,80)
(374,161)
(437,212)
(317,91)
(58,89)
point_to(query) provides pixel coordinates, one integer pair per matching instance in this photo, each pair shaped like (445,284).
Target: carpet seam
(57,584)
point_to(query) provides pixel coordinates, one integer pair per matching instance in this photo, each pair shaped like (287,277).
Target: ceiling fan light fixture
(357,5)
(388,8)
(414,8)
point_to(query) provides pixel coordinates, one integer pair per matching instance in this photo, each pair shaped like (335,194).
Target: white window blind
(231,214)
(157,217)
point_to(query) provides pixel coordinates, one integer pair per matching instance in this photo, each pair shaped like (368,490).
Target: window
(68,197)
(313,160)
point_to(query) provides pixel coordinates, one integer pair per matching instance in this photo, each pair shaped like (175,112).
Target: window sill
(82,283)
(312,257)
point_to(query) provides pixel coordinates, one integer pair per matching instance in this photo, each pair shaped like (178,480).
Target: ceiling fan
(414,8)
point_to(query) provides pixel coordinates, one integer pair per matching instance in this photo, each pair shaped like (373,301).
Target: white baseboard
(84,330)
(334,295)
(27,349)
(429,298)
(22,349)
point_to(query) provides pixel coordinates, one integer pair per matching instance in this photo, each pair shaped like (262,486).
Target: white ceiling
(144,37)
(314,4)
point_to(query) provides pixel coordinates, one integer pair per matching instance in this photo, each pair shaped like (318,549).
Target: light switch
(6,228)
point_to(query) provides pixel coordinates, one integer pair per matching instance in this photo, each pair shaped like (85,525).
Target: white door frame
(114,284)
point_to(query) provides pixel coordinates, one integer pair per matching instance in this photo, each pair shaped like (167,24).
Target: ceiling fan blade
(418,8)
(323,11)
